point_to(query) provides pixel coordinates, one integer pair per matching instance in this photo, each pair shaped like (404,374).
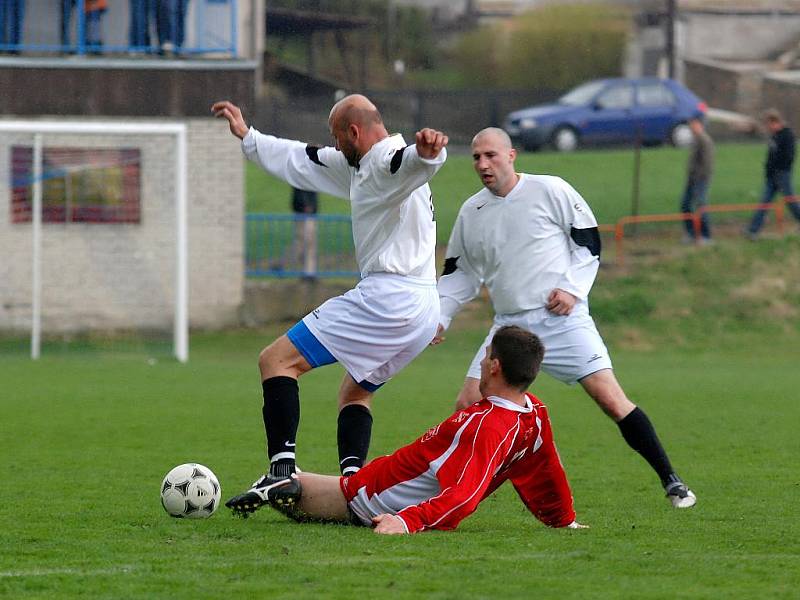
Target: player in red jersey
(438,480)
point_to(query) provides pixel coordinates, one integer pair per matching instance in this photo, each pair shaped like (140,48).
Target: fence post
(619,232)
(779,214)
(234,28)
(696,224)
(637,172)
(494,111)
(419,107)
(81,29)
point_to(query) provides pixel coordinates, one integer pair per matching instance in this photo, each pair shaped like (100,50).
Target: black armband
(397,160)
(312,152)
(589,238)
(450,265)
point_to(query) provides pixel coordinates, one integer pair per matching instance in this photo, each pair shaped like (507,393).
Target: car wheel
(565,139)
(681,135)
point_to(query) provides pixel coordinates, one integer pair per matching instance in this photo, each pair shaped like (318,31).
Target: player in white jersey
(533,242)
(377,328)
(439,479)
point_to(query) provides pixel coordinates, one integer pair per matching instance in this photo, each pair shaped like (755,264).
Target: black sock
(281,414)
(355,430)
(638,431)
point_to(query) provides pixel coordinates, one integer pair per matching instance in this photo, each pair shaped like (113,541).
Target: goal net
(93,232)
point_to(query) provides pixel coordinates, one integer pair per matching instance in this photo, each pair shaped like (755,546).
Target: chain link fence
(460,114)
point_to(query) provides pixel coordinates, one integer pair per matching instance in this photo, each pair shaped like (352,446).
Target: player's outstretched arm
(225,109)
(430,142)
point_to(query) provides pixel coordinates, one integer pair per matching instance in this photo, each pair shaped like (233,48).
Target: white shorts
(573,348)
(378,327)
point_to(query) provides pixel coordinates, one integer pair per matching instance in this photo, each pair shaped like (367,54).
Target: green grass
(731,294)
(87,437)
(603,177)
(704,339)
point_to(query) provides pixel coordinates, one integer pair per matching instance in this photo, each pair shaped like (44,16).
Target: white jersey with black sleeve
(391,203)
(542,235)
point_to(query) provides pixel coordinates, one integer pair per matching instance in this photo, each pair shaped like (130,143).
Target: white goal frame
(178,131)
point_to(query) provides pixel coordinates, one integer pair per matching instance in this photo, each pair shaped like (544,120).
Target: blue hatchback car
(609,111)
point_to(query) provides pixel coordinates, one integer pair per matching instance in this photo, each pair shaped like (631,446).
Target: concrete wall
(121,87)
(735,87)
(782,91)
(111,276)
(738,36)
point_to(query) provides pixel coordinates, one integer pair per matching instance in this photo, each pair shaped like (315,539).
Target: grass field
(704,339)
(87,438)
(603,177)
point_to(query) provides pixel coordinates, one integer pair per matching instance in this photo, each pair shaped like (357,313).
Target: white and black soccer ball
(190,491)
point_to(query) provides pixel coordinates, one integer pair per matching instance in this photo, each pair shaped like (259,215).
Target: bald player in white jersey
(532,240)
(377,328)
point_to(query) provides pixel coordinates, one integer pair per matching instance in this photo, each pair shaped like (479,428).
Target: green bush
(554,47)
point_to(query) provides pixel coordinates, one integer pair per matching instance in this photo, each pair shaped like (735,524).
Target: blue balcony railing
(165,27)
(297,245)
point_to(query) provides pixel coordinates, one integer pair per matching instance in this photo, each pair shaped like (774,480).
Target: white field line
(66,571)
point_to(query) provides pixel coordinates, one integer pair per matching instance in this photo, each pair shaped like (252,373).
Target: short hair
(496,131)
(355,108)
(773,115)
(520,354)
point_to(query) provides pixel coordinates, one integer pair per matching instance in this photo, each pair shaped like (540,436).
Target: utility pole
(637,176)
(671,13)
(388,38)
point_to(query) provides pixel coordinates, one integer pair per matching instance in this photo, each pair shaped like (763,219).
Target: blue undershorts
(315,353)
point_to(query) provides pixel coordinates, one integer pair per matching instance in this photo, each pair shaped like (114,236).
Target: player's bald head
(494,135)
(354,109)
(493,158)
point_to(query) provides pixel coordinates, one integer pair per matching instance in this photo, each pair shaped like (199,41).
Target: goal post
(105,139)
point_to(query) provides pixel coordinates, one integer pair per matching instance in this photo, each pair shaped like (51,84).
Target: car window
(654,94)
(582,94)
(618,96)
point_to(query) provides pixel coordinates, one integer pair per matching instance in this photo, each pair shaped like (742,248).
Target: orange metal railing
(618,229)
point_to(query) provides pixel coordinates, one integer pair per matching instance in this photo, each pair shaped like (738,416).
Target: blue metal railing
(181,27)
(297,245)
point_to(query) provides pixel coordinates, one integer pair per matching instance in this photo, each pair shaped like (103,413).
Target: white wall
(114,276)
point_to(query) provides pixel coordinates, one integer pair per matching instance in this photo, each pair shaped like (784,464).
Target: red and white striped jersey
(438,480)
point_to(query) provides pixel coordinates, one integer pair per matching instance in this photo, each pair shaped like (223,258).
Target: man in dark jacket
(778,169)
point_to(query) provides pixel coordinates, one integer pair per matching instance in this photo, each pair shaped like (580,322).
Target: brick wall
(115,276)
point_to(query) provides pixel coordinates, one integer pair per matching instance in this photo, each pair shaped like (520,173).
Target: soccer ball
(191,491)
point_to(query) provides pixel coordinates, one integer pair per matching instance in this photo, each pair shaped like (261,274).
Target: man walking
(533,242)
(698,177)
(377,328)
(777,169)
